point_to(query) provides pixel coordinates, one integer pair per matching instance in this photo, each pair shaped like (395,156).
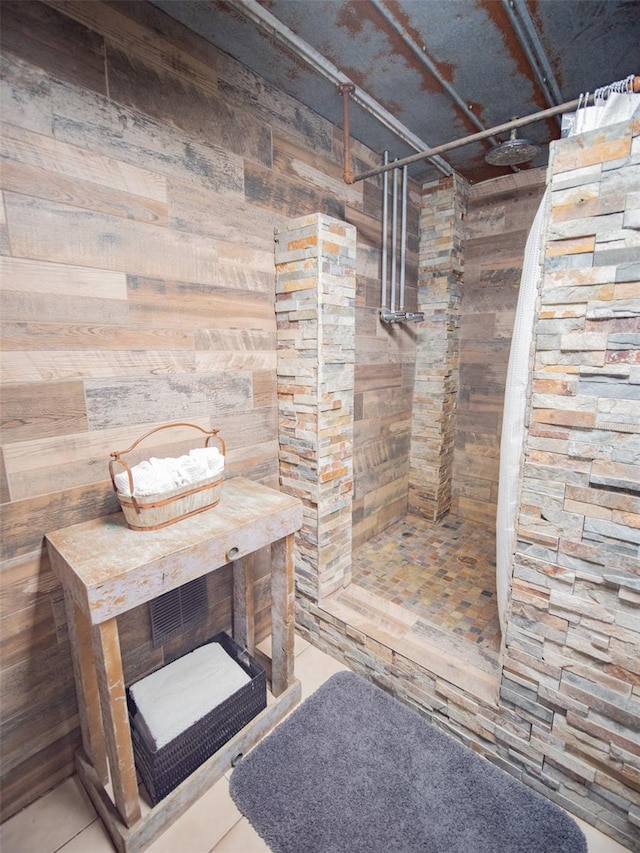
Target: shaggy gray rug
(353,770)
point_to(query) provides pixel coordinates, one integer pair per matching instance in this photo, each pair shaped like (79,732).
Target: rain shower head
(512,152)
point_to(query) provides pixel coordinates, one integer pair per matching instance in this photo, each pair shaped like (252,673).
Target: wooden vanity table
(106,569)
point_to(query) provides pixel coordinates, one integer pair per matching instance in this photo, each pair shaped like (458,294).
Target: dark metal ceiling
(443,69)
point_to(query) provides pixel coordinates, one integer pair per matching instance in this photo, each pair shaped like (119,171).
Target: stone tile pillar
(315,306)
(572,653)
(441,264)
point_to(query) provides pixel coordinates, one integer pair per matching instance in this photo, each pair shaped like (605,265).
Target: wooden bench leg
(84,669)
(282,615)
(116,721)
(244,603)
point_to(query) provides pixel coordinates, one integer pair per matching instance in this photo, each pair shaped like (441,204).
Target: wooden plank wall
(143,174)
(499,216)
(384,374)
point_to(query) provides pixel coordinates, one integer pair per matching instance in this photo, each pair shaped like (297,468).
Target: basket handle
(116,455)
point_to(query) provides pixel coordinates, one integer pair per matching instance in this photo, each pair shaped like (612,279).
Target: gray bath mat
(353,770)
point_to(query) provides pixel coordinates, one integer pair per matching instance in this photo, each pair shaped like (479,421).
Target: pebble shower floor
(443,572)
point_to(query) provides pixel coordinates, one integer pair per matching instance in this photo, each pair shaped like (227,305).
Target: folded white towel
(176,696)
(156,476)
(189,470)
(211,457)
(148,479)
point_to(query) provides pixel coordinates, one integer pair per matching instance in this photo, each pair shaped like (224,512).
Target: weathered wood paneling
(37,411)
(57,366)
(4,485)
(241,349)
(35,181)
(82,118)
(285,116)
(54,42)
(190,305)
(117,403)
(314,168)
(53,763)
(384,373)
(4,237)
(65,234)
(143,175)
(276,190)
(76,282)
(140,35)
(25,94)
(25,148)
(74,336)
(221,216)
(24,523)
(207,116)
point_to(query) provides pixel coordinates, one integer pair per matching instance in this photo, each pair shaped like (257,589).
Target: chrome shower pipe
(394,238)
(385,229)
(393,315)
(388,316)
(403,236)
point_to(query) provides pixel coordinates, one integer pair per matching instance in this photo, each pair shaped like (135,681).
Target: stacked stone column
(572,656)
(315,306)
(441,265)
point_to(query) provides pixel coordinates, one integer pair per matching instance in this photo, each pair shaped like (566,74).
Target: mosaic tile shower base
(444,573)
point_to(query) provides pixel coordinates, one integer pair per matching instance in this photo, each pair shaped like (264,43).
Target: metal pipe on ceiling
(527,35)
(419,52)
(567,107)
(270,24)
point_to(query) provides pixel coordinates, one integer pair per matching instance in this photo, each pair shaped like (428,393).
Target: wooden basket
(160,510)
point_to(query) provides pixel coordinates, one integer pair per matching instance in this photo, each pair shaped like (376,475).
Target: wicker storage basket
(152,512)
(163,769)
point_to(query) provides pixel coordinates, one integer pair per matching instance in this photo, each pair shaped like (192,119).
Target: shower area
(427,429)
(422,375)
(420,403)
(411,382)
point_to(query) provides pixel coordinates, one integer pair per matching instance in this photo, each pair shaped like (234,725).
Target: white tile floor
(64,819)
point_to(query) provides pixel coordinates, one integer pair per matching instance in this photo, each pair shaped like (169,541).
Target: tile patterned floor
(443,572)
(64,820)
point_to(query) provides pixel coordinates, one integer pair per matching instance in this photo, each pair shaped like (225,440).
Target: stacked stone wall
(315,308)
(441,266)
(572,661)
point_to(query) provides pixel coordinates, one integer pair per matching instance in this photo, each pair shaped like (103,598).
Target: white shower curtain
(610,107)
(514,411)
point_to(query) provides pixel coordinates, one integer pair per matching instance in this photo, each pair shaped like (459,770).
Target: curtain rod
(567,107)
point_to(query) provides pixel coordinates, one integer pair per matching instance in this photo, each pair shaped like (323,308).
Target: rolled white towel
(151,477)
(157,476)
(211,457)
(167,472)
(190,470)
(148,479)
